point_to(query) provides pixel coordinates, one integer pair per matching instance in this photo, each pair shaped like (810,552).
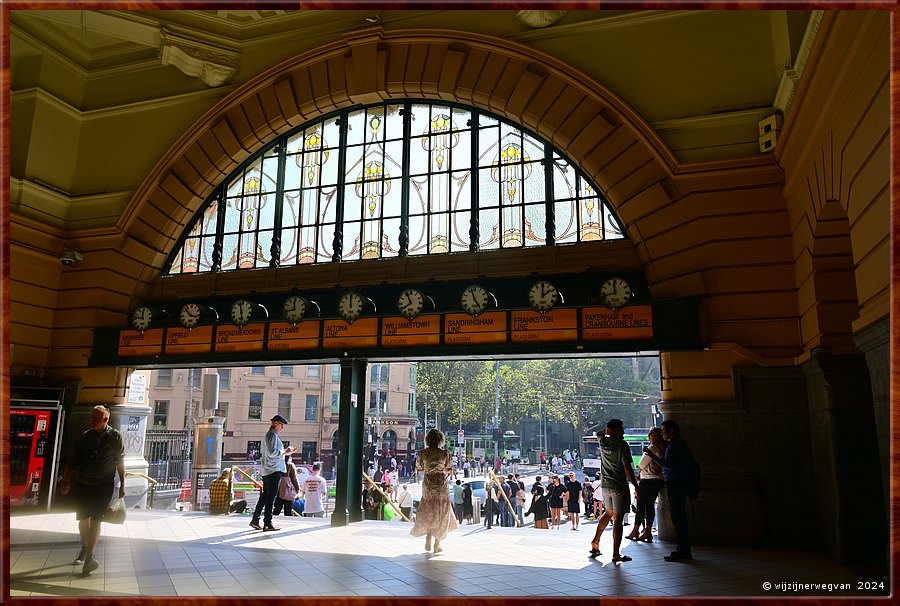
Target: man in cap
(616,472)
(273,453)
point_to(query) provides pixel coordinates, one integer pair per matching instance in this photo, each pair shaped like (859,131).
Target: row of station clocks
(474,300)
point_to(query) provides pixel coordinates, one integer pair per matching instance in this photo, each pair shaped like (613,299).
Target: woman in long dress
(434,517)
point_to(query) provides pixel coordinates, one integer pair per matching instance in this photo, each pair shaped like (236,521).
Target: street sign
(461,437)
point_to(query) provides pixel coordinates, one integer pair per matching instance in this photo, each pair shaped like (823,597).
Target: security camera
(70,257)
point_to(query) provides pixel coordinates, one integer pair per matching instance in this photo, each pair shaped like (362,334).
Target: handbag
(286,489)
(115,513)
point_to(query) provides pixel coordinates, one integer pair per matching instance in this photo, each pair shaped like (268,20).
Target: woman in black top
(467,502)
(539,508)
(555,497)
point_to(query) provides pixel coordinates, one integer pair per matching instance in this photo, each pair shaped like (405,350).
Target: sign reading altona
(631,322)
(339,334)
(463,329)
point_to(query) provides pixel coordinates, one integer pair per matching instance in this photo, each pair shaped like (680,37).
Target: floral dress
(435,513)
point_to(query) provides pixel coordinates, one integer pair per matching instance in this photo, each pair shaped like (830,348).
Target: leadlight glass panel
(380,170)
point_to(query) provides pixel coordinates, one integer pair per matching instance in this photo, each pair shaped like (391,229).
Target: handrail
(506,498)
(389,501)
(260,486)
(141,475)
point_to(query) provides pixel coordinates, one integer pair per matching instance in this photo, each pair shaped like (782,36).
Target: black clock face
(141,318)
(350,306)
(474,299)
(241,312)
(543,296)
(410,303)
(615,293)
(189,316)
(293,309)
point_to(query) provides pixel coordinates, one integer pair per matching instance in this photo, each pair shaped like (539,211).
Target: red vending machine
(33,447)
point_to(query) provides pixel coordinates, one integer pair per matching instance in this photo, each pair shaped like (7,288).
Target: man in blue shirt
(676,464)
(273,453)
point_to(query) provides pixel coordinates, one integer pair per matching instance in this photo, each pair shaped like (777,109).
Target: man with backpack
(682,475)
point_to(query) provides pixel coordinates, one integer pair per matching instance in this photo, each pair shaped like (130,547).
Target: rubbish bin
(476,510)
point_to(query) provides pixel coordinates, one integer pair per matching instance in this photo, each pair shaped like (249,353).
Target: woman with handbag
(287,489)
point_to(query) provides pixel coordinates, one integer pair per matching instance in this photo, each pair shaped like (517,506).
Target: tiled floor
(158,553)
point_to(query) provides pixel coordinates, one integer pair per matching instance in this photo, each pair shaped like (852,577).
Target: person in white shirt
(314,491)
(395,481)
(598,496)
(405,501)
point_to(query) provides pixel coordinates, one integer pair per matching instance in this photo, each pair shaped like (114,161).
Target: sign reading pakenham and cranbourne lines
(518,326)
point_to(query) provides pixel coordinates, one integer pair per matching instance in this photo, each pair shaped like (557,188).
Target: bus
(637,441)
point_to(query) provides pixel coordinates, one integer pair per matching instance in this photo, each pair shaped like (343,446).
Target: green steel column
(348,491)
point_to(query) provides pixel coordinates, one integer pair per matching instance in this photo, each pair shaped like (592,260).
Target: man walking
(616,471)
(99,456)
(314,490)
(458,500)
(273,453)
(676,464)
(405,501)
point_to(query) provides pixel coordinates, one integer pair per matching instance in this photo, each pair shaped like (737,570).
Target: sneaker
(90,565)
(79,559)
(255,524)
(269,528)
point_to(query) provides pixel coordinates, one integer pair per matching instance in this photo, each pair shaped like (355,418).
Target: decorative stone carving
(214,65)
(539,18)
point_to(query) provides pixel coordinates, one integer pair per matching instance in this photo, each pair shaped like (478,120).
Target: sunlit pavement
(167,553)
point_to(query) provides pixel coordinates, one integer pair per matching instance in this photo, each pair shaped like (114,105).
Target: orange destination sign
(184,341)
(630,322)
(303,335)
(421,330)
(463,329)
(136,343)
(240,338)
(554,325)
(362,333)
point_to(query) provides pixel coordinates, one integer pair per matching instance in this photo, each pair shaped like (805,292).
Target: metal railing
(151,485)
(168,453)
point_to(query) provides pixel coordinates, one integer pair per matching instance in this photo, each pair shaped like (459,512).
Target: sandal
(593,553)
(623,558)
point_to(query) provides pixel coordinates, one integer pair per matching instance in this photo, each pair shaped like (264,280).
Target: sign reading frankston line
(554,325)
(463,329)
(630,322)
(421,330)
(303,335)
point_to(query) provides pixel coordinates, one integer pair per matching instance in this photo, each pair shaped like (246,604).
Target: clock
(350,306)
(543,296)
(241,312)
(410,303)
(474,299)
(190,315)
(294,308)
(615,293)
(142,318)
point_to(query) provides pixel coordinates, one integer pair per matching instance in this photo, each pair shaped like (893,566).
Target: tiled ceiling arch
(596,129)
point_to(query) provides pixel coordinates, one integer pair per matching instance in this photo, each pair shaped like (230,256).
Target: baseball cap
(279,419)
(614,424)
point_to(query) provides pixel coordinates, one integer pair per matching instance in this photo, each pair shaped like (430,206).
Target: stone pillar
(874,342)
(845,459)
(754,454)
(131,421)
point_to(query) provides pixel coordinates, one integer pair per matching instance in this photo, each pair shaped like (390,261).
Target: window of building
(254,450)
(313,371)
(164,377)
(412,375)
(254,412)
(412,405)
(223,412)
(373,398)
(284,405)
(224,379)
(393,180)
(259,371)
(312,408)
(335,402)
(286,371)
(160,414)
(335,373)
(379,372)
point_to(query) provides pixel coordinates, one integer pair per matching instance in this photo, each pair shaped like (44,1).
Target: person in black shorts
(99,455)
(573,499)
(555,494)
